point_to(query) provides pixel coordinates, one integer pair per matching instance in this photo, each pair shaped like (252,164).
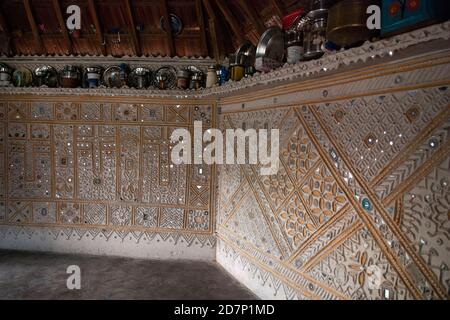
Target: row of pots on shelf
(306,35)
(330,25)
(166,77)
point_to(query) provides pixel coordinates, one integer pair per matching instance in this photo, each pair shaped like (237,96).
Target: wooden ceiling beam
(34,29)
(62,25)
(7,32)
(98,28)
(132,28)
(170,40)
(253,16)
(201,24)
(215,37)
(231,20)
(278,8)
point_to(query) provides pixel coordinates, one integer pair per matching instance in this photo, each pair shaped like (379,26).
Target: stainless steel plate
(271,45)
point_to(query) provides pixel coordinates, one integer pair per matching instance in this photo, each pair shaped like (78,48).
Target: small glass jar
(183,79)
(211,77)
(237,72)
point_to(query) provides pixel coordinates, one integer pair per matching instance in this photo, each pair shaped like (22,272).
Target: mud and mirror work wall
(360,206)
(85,175)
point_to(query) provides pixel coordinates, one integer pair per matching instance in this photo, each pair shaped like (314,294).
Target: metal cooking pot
(46,75)
(315,35)
(70,77)
(92,76)
(5,74)
(347,23)
(140,78)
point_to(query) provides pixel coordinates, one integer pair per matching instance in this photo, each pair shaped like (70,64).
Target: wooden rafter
(62,25)
(253,16)
(201,24)
(98,28)
(132,28)
(215,40)
(278,8)
(7,32)
(34,29)
(170,40)
(231,20)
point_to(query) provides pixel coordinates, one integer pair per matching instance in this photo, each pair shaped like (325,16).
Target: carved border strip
(70,232)
(322,254)
(321,230)
(418,174)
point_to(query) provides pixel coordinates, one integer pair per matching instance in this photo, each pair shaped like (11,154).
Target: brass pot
(347,23)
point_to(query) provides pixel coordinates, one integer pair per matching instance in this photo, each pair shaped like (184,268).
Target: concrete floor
(33,275)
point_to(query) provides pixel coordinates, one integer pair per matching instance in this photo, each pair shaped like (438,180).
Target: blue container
(222,75)
(403,15)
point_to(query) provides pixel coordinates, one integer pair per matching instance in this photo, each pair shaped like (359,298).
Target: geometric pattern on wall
(105,165)
(342,200)
(372,137)
(425,219)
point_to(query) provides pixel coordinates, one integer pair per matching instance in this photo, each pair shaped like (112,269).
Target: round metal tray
(271,45)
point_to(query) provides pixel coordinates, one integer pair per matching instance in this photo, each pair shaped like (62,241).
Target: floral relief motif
(360,270)
(300,154)
(297,222)
(278,186)
(67,111)
(322,194)
(126,112)
(120,216)
(198,219)
(70,213)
